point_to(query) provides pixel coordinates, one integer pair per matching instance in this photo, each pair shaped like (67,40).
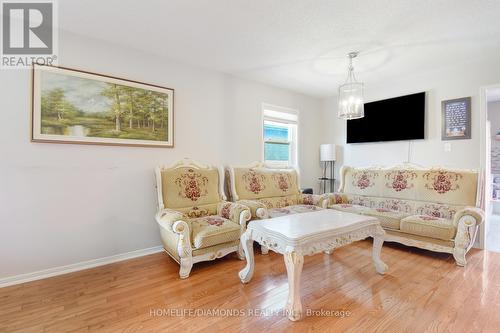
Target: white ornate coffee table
(306,234)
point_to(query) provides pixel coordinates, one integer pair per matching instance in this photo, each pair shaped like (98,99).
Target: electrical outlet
(447,147)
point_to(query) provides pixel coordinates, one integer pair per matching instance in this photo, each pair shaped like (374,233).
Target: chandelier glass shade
(351,99)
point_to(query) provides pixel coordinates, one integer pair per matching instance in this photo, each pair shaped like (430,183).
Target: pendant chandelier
(351,101)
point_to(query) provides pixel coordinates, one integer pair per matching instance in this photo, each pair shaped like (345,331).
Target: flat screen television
(394,119)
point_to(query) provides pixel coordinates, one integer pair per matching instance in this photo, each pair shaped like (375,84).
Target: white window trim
(294,142)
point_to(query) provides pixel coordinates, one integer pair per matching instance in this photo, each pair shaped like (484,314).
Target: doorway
(490,233)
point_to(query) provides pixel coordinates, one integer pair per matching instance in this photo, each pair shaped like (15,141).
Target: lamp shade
(327,152)
(351,101)
(351,95)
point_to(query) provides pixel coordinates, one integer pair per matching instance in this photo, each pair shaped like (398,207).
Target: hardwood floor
(422,292)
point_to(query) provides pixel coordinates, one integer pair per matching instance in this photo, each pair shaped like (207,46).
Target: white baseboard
(22,278)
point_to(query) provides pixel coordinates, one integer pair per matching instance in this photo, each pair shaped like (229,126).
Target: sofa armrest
(466,221)
(312,199)
(257,209)
(175,230)
(168,219)
(237,213)
(335,198)
(469,215)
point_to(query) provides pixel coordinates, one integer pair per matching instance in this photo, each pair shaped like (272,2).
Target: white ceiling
(296,44)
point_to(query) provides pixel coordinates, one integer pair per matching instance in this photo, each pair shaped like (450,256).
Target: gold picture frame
(79,107)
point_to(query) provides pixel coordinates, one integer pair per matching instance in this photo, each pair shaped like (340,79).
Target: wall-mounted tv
(394,119)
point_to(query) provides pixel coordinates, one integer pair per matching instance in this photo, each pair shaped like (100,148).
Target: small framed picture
(456,119)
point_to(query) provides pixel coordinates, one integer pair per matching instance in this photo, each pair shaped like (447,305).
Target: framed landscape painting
(72,106)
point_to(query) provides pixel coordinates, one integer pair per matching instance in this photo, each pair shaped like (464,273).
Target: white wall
(445,84)
(63,204)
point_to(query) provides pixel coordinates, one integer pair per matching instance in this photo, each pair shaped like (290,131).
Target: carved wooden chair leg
(459,256)
(186,265)
(464,239)
(184,248)
(241,252)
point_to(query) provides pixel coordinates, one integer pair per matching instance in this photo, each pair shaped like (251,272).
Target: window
(280,136)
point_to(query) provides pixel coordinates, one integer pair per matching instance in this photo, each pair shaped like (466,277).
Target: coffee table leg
(378,241)
(247,245)
(294,263)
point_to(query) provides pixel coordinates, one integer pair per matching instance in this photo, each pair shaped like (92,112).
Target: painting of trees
(129,104)
(71,105)
(55,104)
(115,92)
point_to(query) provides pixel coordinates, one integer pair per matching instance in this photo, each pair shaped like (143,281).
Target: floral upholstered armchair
(270,192)
(196,223)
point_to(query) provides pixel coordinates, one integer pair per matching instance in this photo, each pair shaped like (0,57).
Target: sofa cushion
(258,183)
(295,209)
(351,208)
(279,202)
(403,206)
(428,226)
(199,211)
(190,187)
(338,198)
(437,210)
(211,230)
(437,185)
(388,219)
(362,200)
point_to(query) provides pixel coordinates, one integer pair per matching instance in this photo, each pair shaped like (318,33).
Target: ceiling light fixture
(351,100)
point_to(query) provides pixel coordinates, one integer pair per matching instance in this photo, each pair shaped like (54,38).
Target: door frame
(483,159)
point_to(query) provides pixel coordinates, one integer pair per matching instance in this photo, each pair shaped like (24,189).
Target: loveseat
(430,208)
(270,192)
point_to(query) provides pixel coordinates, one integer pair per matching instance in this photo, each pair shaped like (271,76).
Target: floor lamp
(327,158)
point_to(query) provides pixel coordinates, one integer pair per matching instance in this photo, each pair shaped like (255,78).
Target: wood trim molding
(418,243)
(54,271)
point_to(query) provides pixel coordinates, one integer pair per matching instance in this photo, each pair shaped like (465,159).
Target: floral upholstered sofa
(196,223)
(271,192)
(434,208)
